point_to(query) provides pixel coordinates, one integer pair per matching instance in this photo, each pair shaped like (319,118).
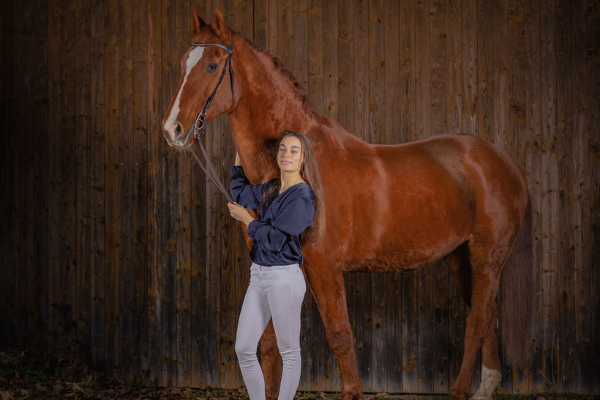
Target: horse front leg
(328,289)
(270,362)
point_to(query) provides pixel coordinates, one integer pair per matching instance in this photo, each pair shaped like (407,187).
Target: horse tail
(515,295)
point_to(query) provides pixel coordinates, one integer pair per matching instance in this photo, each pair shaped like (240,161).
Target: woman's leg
(285,301)
(254,317)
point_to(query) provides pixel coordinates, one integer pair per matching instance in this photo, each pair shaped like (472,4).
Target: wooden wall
(113,241)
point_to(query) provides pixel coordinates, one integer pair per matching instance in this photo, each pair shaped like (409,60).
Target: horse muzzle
(176,136)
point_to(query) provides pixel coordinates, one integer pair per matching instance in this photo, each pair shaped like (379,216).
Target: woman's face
(289,156)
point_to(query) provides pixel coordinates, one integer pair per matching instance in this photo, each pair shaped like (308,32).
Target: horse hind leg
(486,261)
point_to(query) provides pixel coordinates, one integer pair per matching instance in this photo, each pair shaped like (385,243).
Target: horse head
(202,68)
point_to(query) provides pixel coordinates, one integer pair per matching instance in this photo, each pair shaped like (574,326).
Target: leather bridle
(200,123)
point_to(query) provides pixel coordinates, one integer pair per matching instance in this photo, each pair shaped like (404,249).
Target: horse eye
(212,67)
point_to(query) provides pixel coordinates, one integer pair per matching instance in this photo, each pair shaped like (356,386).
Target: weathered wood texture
(112,240)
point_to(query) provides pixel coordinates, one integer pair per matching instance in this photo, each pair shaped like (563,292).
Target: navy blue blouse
(276,232)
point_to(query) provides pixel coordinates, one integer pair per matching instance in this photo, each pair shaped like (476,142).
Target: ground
(67,375)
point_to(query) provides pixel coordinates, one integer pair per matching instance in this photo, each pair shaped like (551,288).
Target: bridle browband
(200,123)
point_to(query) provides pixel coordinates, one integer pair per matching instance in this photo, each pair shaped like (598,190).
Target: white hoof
(490,380)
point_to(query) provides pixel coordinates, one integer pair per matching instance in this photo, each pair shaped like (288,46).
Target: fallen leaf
(6,395)
(24,393)
(77,388)
(57,388)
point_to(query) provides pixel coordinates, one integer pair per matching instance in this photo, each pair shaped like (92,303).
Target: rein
(200,123)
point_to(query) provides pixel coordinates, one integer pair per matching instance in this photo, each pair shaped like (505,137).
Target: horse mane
(297,89)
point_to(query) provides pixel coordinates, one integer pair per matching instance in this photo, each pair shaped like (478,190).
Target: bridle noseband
(200,123)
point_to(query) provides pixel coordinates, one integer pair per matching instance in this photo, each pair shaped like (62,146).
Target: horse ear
(197,23)
(219,25)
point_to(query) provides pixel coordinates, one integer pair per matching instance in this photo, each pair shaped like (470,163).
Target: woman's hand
(240,213)
(238,162)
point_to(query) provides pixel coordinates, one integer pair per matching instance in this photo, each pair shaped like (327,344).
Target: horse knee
(340,339)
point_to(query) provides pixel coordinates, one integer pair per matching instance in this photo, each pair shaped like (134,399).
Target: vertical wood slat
(470,62)
(111,181)
(501,121)
(229,229)
(581,196)
(166,222)
(516,95)
(593,34)
(182,217)
(141,127)
(534,170)
(55,51)
(379,365)
(408,115)
(213,216)
(566,225)
(362,285)
(125,166)
(549,188)
(97,211)
(439,124)
(392,109)
(40,181)
(83,157)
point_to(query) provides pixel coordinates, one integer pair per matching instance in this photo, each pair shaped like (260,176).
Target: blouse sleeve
(292,220)
(245,194)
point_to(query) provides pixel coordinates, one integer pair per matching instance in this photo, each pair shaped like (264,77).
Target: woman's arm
(293,219)
(243,192)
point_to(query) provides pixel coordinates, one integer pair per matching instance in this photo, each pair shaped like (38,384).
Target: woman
(291,213)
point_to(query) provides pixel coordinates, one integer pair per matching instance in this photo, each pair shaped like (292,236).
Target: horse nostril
(176,130)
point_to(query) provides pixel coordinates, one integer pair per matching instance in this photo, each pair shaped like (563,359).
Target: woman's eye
(212,67)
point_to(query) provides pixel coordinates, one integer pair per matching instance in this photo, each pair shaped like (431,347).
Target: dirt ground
(67,375)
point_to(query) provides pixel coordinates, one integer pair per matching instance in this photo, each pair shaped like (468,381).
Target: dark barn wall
(113,241)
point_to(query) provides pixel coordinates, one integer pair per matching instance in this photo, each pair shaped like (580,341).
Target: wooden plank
(549,188)
(331,53)
(593,83)
(566,242)
(155,140)
(97,218)
(422,25)
(408,131)
(83,157)
(125,294)
(500,125)
(517,100)
(182,216)
(581,201)
(260,24)
(273,26)
(470,62)
(40,166)
(455,95)
(320,353)
(111,184)
(141,126)
(23,89)
(285,33)
(55,51)
(533,138)
(166,222)
(379,363)
(213,263)
(242,255)
(485,70)
(362,286)
(391,324)
(68,207)
(227,240)
(439,124)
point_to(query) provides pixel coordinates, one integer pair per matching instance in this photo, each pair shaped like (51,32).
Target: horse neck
(267,106)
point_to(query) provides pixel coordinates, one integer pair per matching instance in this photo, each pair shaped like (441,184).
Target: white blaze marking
(193,58)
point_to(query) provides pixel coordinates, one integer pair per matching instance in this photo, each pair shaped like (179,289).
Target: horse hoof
(460,394)
(490,380)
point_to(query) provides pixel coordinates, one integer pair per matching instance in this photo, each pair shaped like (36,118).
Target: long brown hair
(309,171)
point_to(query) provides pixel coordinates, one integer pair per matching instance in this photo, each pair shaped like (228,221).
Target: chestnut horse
(388,207)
